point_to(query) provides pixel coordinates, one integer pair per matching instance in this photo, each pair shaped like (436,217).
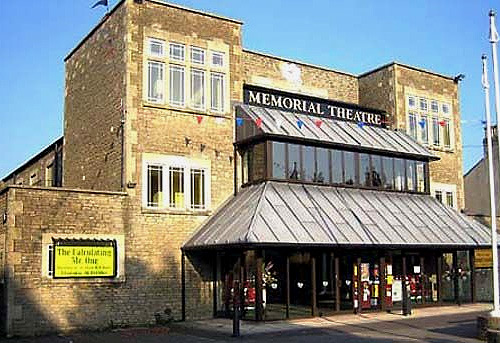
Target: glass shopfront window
(331,166)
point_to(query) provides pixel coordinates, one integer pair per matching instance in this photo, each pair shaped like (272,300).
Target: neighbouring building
(193,168)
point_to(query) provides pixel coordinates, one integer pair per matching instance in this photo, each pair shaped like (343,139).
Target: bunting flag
(442,123)
(361,124)
(199,119)
(318,122)
(422,123)
(300,123)
(258,122)
(239,121)
(101,3)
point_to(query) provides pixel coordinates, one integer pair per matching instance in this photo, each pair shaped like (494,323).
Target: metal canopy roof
(334,132)
(287,214)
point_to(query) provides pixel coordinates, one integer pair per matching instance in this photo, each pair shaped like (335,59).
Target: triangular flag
(199,119)
(239,121)
(361,124)
(101,3)
(258,122)
(422,123)
(300,123)
(483,122)
(442,123)
(318,122)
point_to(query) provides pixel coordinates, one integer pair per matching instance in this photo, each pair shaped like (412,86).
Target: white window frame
(438,143)
(177,162)
(222,58)
(159,42)
(409,101)
(173,47)
(203,91)
(223,91)
(151,99)
(412,125)
(201,51)
(445,188)
(425,129)
(182,103)
(423,101)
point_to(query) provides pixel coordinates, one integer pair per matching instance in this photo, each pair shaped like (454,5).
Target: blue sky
(349,35)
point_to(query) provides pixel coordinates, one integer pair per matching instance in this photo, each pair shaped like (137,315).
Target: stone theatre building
(191,168)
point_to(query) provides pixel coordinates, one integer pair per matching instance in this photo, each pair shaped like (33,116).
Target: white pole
(486,86)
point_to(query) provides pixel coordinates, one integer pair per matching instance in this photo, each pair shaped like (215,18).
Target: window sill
(189,110)
(441,149)
(149,210)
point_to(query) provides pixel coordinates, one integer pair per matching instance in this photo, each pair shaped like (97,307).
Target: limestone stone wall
(280,73)
(93,106)
(376,90)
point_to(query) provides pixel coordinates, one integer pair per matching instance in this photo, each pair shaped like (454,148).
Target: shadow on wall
(145,298)
(199,284)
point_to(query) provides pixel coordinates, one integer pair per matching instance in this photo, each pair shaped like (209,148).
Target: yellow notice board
(483,258)
(80,261)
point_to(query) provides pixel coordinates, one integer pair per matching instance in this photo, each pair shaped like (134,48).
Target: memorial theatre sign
(258,96)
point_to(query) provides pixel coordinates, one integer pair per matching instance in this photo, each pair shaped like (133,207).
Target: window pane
(217,86)
(156,47)
(434,106)
(323,165)
(245,166)
(446,133)
(198,88)
(197,188)
(198,55)
(412,129)
(294,162)
(49,176)
(421,177)
(177,85)
(411,101)
(279,160)
(218,59)
(364,170)
(176,187)
(411,175)
(424,129)
(439,196)
(337,167)
(388,176)
(449,199)
(309,164)
(399,174)
(155,81)
(446,108)
(350,170)
(177,52)
(435,131)
(423,104)
(155,186)
(376,171)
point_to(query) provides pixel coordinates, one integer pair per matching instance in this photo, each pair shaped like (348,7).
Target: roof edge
(396,63)
(192,10)
(34,157)
(474,166)
(93,30)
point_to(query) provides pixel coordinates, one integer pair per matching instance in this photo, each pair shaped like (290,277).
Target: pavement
(447,324)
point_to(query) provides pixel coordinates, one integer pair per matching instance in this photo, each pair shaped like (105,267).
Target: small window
(197,55)
(176,85)
(217,59)
(217,88)
(197,89)
(439,196)
(434,106)
(412,122)
(49,175)
(423,104)
(155,81)
(177,52)
(155,186)
(449,199)
(156,48)
(446,134)
(197,189)
(446,108)
(33,179)
(176,197)
(436,139)
(411,102)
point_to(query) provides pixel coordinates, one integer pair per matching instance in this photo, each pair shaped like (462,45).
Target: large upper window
(197,89)
(155,81)
(185,184)
(310,164)
(176,85)
(217,87)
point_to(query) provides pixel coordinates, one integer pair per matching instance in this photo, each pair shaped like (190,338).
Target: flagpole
(494,243)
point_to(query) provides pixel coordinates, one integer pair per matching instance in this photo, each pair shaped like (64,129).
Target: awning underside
(294,214)
(336,132)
